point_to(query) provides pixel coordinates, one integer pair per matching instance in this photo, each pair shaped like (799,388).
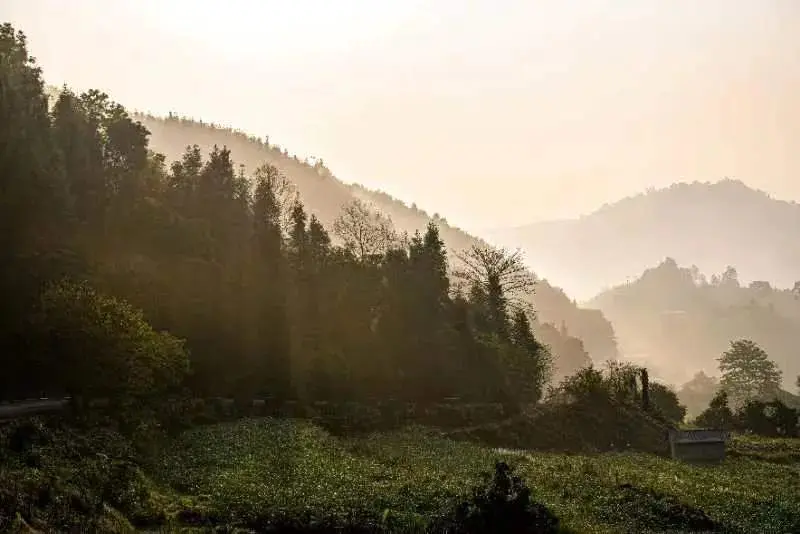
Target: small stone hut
(698,445)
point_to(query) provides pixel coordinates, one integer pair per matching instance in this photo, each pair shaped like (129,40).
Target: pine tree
(270,301)
(34,201)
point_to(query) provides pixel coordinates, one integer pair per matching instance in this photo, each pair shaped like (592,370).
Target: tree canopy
(748,373)
(199,265)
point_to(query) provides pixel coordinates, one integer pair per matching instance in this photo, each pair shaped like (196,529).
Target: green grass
(253,471)
(743,495)
(776,450)
(256,472)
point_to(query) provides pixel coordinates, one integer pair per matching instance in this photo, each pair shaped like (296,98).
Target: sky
(492,113)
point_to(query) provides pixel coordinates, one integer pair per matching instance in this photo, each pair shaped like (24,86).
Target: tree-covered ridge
(324,196)
(675,317)
(117,260)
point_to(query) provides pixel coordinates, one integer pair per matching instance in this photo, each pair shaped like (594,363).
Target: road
(31,407)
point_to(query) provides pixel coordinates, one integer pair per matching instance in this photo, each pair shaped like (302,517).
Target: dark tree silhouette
(201,264)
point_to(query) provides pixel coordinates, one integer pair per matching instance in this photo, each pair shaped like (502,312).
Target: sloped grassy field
(253,471)
(254,474)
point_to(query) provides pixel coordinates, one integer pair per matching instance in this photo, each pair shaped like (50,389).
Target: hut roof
(702,435)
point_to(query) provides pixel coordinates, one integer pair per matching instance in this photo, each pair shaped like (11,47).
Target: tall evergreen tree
(34,200)
(270,302)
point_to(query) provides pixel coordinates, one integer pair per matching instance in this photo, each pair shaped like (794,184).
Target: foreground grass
(254,472)
(642,492)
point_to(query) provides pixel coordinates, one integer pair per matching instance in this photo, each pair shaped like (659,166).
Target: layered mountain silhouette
(678,321)
(574,334)
(710,225)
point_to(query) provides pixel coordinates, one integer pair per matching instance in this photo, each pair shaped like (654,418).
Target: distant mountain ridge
(710,225)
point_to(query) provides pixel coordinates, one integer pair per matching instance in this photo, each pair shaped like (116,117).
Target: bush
(98,346)
(718,414)
(581,426)
(56,477)
(503,504)
(666,404)
(773,419)
(591,411)
(586,383)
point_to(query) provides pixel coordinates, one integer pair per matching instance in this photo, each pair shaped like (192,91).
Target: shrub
(768,419)
(503,504)
(665,403)
(718,414)
(56,477)
(587,382)
(99,346)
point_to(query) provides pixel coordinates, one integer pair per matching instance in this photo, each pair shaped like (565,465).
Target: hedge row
(344,416)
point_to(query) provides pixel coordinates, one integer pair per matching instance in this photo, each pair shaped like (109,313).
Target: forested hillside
(711,225)
(678,321)
(324,196)
(127,273)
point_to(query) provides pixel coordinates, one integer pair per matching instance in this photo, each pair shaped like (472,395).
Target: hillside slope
(324,196)
(708,225)
(677,322)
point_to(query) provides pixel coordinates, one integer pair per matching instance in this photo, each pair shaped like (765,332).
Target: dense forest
(575,334)
(124,272)
(679,320)
(711,225)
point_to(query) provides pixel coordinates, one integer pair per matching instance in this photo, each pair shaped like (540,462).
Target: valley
(202,332)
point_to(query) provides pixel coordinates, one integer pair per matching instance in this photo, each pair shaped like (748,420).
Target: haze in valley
(494,114)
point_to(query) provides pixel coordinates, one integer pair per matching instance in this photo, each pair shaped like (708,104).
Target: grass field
(251,470)
(257,472)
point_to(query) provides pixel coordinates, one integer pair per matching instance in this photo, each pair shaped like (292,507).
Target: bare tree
(365,232)
(495,269)
(284,191)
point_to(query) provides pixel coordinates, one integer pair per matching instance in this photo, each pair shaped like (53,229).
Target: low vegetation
(258,474)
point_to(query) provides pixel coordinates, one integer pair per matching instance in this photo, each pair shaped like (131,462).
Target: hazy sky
(490,112)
